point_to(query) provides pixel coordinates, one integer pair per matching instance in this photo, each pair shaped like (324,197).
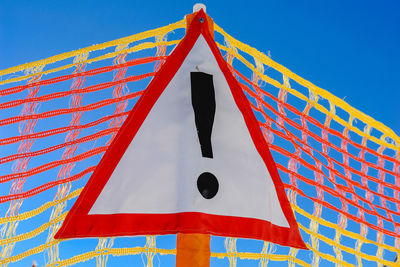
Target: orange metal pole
(210,22)
(193,250)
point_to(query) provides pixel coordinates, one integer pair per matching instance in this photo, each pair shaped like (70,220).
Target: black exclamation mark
(203,101)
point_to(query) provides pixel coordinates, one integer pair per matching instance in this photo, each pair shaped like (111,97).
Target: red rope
(85,139)
(43,134)
(330,206)
(319,139)
(47,186)
(53,164)
(289,136)
(88,89)
(300,144)
(64,111)
(312,120)
(93,72)
(338,186)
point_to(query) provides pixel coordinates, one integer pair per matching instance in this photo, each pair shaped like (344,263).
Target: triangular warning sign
(190,158)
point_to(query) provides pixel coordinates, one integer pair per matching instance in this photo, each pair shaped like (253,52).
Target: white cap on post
(199,6)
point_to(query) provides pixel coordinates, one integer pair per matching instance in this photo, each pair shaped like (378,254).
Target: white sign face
(159,172)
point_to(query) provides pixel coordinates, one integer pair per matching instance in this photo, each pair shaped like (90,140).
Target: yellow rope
(32,233)
(321,221)
(257,256)
(330,257)
(125,40)
(32,213)
(242,255)
(137,250)
(342,247)
(344,232)
(139,47)
(29,252)
(110,251)
(259,57)
(354,113)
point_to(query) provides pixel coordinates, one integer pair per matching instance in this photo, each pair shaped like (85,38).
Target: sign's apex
(197,7)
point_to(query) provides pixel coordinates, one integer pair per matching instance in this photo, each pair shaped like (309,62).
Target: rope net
(339,166)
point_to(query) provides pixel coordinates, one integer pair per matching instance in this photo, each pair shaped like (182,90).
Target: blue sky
(348,48)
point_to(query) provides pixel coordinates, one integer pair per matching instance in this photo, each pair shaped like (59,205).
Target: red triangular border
(79,224)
